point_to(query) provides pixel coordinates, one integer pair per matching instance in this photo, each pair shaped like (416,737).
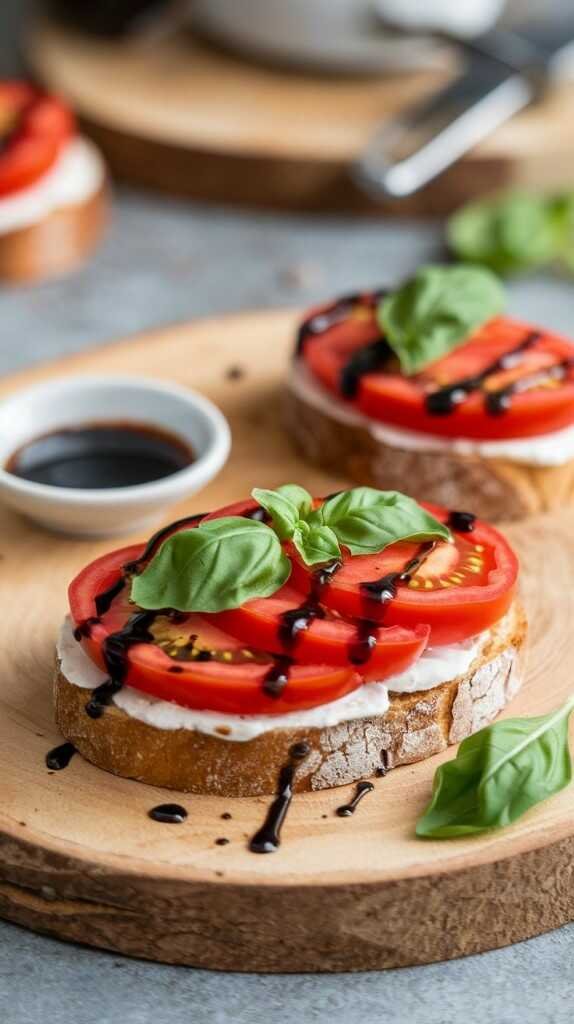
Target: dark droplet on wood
(361,791)
(60,757)
(221,842)
(171,814)
(226,816)
(461,522)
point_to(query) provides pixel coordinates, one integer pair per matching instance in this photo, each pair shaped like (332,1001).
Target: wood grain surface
(79,857)
(192,120)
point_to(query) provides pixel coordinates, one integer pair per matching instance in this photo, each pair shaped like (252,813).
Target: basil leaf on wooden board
(366,520)
(498,774)
(436,311)
(512,233)
(316,544)
(219,565)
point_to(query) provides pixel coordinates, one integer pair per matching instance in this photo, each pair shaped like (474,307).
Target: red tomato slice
(460,589)
(287,623)
(33,129)
(388,396)
(233,681)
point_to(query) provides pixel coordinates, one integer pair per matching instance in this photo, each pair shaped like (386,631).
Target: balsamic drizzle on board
(170,814)
(346,810)
(267,839)
(60,757)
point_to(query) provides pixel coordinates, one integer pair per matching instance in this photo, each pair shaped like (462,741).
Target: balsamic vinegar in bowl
(99,456)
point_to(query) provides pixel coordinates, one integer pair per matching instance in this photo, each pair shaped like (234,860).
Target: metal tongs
(506,72)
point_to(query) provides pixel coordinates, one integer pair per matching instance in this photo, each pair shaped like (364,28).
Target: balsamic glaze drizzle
(292,623)
(103,600)
(259,515)
(367,359)
(366,640)
(335,314)
(444,400)
(136,629)
(157,539)
(461,522)
(60,757)
(115,650)
(171,814)
(384,589)
(268,838)
(277,677)
(346,810)
(498,402)
(318,323)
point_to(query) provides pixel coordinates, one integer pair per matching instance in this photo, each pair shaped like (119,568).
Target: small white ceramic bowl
(73,401)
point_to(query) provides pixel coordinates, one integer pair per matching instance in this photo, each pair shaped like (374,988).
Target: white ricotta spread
(436,665)
(75,177)
(554,449)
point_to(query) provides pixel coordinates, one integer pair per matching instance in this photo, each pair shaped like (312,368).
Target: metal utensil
(506,72)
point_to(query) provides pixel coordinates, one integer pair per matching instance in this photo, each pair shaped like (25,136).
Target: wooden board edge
(230,927)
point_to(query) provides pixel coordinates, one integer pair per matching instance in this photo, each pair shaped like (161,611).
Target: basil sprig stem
(498,774)
(225,562)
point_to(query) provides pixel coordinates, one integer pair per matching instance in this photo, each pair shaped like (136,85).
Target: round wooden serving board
(192,120)
(79,857)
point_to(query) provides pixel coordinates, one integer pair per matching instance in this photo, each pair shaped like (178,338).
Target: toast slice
(415,726)
(493,488)
(55,235)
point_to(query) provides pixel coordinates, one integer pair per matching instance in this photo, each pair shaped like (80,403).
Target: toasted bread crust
(416,726)
(55,245)
(492,488)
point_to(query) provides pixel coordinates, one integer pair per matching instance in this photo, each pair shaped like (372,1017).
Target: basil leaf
(221,564)
(512,233)
(316,544)
(437,310)
(498,774)
(366,520)
(284,514)
(299,497)
(563,208)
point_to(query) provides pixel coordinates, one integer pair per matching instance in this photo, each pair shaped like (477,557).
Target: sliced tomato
(289,623)
(389,396)
(459,590)
(33,129)
(235,679)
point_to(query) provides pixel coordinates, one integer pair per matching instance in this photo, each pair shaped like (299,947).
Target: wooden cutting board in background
(191,120)
(79,856)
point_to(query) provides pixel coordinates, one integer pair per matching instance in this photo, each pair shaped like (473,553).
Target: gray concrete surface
(165,261)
